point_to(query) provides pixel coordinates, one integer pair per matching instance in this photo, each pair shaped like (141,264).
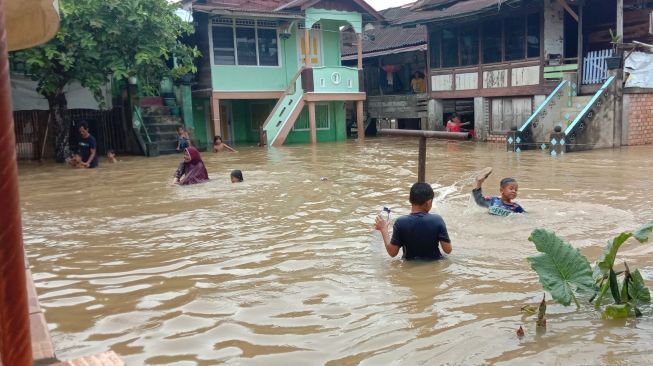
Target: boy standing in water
(503,205)
(418,233)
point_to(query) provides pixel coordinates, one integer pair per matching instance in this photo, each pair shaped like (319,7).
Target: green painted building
(271,69)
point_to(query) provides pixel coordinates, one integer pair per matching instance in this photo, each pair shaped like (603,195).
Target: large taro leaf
(643,232)
(637,289)
(561,268)
(606,261)
(616,311)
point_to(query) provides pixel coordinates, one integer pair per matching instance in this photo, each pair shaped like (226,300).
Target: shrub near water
(567,275)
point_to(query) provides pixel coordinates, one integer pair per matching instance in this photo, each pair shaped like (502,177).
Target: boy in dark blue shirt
(418,233)
(503,205)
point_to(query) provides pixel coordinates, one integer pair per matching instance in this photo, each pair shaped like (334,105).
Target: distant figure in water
(236,176)
(191,170)
(503,205)
(183,138)
(219,146)
(454,124)
(418,233)
(111,156)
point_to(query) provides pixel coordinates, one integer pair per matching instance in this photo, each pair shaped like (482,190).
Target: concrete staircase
(162,127)
(569,112)
(285,113)
(566,122)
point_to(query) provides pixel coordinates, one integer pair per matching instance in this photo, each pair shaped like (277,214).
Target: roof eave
(230,12)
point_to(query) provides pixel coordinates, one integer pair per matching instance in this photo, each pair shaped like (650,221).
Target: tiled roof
(389,38)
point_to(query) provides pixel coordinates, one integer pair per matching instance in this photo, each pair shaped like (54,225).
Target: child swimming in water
(236,176)
(503,205)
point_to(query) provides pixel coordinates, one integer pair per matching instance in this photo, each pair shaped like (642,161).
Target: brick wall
(640,118)
(496,138)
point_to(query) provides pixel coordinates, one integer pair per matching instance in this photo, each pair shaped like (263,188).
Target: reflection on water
(280,269)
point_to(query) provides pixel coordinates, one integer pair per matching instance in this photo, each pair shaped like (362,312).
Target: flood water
(285,269)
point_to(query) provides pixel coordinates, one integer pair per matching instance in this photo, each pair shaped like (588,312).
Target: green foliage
(614,38)
(565,273)
(98,38)
(102,37)
(561,267)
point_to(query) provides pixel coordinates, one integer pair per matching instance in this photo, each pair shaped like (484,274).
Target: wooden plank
(553,75)
(42,347)
(32,297)
(109,358)
(567,67)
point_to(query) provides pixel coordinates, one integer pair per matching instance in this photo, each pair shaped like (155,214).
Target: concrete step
(162,119)
(582,99)
(161,127)
(164,137)
(168,151)
(569,113)
(158,110)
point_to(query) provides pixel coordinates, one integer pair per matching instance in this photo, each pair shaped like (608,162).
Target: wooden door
(315,46)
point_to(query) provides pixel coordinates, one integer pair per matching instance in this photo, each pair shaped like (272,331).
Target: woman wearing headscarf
(192,169)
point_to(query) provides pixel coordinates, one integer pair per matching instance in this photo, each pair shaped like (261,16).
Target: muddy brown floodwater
(284,269)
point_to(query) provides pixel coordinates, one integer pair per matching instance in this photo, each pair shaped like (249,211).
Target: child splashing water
(503,205)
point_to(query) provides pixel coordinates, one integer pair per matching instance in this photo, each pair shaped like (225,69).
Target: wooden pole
(360,50)
(360,120)
(311,122)
(215,111)
(307,47)
(15,338)
(579,78)
(428,134)
(421,161)
(620,19)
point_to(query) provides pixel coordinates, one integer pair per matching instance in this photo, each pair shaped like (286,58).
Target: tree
(98,38)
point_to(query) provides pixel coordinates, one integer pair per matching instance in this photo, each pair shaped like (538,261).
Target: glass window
(434,48)
(515,41)
(246,45)
(492,43)
(533,35)
(268,49)
(449,47)
(223,46)
(469,46)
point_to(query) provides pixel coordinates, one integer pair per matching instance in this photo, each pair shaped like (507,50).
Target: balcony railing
(336,79)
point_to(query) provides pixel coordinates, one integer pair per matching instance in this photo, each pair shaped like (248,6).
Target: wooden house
(271,69)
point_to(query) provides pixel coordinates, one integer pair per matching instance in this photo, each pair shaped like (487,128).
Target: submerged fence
(35,135)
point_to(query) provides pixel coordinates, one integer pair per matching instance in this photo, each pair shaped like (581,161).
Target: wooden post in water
(15,339)
(423,135)
(421,161)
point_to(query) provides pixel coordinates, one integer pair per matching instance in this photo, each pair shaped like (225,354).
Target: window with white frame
(321,118)
(246,42)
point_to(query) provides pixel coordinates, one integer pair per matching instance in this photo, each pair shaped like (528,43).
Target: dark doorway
(409,124)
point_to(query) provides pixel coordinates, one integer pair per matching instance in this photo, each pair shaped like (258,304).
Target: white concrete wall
(553,28)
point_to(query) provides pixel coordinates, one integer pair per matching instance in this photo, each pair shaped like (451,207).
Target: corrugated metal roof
(260,6)
(458,10)
(269,7)
(389,38)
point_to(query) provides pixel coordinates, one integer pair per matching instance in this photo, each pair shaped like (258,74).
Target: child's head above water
(236,176)
(217,140)
(508,188)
